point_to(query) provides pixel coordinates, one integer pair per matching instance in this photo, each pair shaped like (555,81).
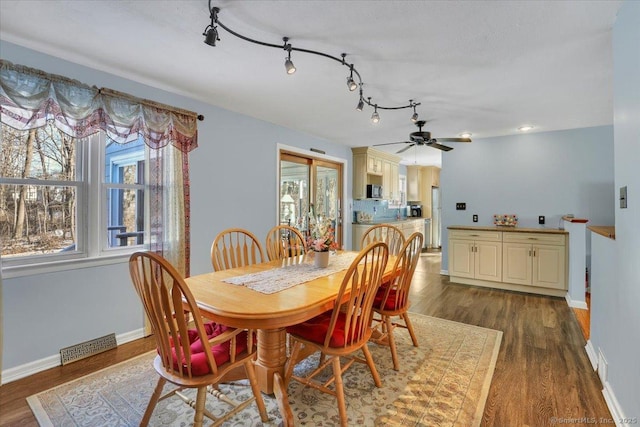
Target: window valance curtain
(30,98)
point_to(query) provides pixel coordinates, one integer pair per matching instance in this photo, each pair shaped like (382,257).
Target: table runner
(279,279)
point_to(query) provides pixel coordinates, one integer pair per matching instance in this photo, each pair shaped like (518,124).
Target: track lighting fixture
(361,101)
(375,117)
(211,36)
(351,84)
(211,32)
(288,65)
(414,117)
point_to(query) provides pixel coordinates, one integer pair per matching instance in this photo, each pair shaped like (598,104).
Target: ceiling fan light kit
(211,36)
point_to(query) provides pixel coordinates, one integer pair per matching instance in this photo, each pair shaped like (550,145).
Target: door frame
(322,157)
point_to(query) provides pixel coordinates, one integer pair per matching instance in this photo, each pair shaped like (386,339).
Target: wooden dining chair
(235,247)
(197,357)
(342,331)
(284,241)
(392,298)
(387,233)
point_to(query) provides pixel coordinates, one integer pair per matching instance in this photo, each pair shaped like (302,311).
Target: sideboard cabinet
(519,259)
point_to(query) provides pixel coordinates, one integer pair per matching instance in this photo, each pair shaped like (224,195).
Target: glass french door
(310,185)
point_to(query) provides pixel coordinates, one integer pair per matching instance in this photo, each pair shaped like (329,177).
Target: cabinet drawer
(490,236)
(546,239)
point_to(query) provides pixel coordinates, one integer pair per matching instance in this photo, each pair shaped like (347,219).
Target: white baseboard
(614,406)
(49,362)
(575,304)
(591,353)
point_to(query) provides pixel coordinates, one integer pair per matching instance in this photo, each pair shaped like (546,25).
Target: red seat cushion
(315,329)
(390,303)
(199,365)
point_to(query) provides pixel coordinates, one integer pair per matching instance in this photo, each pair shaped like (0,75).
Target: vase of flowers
(321,239)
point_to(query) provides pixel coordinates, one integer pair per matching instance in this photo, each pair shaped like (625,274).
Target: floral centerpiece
(321,234)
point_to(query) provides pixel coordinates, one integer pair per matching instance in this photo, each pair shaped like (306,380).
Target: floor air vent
(88,348)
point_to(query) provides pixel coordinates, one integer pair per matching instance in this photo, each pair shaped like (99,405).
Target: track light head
(288,64)
(414,117)
(351,84)
(360,104)
(211,36)
(375,117)
(211,32)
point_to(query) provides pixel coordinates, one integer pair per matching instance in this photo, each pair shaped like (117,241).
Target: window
(63,198)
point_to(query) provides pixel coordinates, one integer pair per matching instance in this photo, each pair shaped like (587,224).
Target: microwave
(374,191)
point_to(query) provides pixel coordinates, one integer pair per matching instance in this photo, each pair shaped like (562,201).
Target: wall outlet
(541,219)
(461,206)
(475,218)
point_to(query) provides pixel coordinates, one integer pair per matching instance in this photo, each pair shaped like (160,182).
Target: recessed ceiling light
(525,128)
(466,135)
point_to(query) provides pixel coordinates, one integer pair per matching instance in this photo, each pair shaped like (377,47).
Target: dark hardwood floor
(542,370)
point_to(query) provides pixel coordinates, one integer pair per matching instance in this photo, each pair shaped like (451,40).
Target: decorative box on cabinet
(475,255)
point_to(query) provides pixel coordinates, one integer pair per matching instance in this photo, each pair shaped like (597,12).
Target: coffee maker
(416,209)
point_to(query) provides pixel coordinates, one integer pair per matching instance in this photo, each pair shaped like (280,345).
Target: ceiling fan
(424,138)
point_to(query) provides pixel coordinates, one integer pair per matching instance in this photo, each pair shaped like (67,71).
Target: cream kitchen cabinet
(530,259)
(535,260)
(475,255)
(375,167)
(390,180)
(411,226)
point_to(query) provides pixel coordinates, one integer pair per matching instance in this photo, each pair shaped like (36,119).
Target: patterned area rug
(444,382)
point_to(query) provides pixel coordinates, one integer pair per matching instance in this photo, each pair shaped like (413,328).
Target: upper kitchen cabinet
(375,167)
(420,179)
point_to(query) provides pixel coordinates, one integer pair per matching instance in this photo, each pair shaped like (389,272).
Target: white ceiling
(486,67)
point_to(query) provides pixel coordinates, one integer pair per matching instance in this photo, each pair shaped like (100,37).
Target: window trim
(91,243)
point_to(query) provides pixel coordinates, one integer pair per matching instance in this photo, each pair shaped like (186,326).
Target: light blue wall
(546,173)
(620,318)
(233,183)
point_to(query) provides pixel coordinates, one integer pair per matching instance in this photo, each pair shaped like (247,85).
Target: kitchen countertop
(508,229)
(609,232)
(387,221)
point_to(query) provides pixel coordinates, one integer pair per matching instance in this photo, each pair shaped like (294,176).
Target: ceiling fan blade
(391,143)
(405,149)
(453,139)
(434,144)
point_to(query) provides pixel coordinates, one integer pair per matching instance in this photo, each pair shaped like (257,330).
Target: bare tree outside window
(38,191)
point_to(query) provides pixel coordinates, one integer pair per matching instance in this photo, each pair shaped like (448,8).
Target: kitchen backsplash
(378,210)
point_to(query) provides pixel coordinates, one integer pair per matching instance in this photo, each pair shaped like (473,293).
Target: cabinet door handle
(529,252)
(532,238)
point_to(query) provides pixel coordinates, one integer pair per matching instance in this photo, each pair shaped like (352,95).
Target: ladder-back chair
(198,356)
(284,241)
(235,247)
(392,298)
(387,233)
(344,330)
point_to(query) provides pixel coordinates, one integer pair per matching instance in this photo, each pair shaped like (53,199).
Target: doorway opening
(310,186)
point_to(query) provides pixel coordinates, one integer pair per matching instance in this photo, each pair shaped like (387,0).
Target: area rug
(444,382)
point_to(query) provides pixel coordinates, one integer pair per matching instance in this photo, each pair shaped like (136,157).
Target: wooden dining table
(241,307)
